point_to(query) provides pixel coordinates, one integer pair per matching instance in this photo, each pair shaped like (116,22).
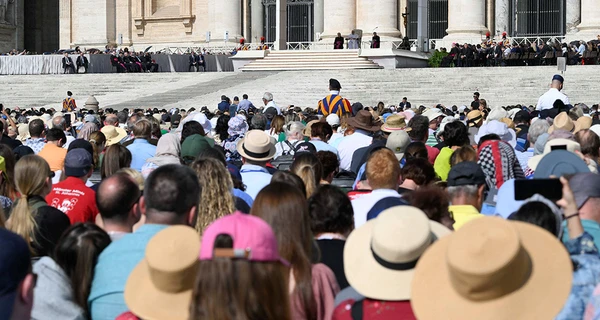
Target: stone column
(502,17)
(258,18)
(341,17)
(573,15)
(319,16)
(123,21)
(227,17)
(280,25)
(466,22)
(381,18)
(65,24)
(589,28)
(491,15)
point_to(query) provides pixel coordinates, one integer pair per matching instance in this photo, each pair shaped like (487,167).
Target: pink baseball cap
(253,239)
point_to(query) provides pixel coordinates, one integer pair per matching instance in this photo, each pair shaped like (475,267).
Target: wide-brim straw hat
(393,123)
(257,146)
(492,268)
(380,256)
(113,134)
(363,120)
(582,123)
(562,121)
(161,285)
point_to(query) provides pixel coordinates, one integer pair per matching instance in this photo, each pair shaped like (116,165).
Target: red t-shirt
(75,199)
(432,153)
(376,310)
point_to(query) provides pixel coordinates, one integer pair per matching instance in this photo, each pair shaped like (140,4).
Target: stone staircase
(287,60)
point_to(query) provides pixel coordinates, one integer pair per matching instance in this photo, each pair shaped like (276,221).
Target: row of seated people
(126,62)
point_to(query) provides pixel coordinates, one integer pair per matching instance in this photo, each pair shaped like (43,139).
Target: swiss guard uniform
(334,103)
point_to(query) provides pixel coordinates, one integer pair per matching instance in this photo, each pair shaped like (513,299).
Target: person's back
(256,150)
(171,196)
(141,149)
(71,195)
(53,152)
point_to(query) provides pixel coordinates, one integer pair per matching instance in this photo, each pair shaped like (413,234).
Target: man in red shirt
(71,195)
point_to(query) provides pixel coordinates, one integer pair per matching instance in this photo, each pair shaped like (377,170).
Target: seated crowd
(268,213)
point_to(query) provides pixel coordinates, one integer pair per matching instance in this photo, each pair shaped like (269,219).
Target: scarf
(499,162)
(87,129)
(167,150)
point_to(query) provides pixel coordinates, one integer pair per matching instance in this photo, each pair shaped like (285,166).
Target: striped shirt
(334,103)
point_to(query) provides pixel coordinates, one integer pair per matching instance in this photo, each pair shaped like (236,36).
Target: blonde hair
(31,178)
(216,198)
(308,167)
(137,177)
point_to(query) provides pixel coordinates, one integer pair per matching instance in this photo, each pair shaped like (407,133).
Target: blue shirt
(322,146)
(36,144)
(255,178)
(114,265)
(586,275)
(141,150)
(244,196)
(223,106)
(589,226)
(245,105)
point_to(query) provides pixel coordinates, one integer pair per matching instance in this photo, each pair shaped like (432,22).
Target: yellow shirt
(54,155)
(463,214)
(442,163)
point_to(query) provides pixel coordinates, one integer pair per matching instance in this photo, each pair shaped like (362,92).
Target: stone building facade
(47,25)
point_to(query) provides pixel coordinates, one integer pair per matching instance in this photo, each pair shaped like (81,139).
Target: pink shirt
(325,288)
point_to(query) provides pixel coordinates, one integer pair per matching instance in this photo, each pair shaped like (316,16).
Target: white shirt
(547,100)
(282,147)
(349,144)
(272,104)
(523,157)
(322,146)
(255,178)
(364,204)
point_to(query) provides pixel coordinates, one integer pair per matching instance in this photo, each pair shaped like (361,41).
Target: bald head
(59,122)
(590,143)
(116,196)
(111,120)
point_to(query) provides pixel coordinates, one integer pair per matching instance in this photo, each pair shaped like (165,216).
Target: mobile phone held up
(547,188)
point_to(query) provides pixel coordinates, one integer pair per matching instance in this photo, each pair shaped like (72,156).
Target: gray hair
(469,191)
(122,116)
(536,129)
(561,134)
(294,127)
(268,96)
(59,122)
(259,122)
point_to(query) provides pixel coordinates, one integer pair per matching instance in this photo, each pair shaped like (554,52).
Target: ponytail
(22,222)
(307,174)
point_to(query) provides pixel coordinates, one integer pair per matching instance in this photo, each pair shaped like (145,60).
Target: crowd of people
(505,53)
(341,211)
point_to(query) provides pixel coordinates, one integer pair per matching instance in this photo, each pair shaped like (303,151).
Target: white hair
(268,96)
(536,129)
(294,128)
(469,191)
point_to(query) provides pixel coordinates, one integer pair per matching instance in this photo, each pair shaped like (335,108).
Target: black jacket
(82,61)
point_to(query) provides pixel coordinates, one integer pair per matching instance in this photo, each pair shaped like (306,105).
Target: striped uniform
(334,103)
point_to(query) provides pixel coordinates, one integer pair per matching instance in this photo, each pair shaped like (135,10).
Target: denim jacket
(586,274)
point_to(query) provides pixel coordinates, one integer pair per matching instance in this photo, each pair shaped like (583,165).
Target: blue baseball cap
(558,77)
(78,163)
(15,264)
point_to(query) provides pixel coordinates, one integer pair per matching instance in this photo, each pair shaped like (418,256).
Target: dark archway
(437,15)
(300,18)
(41,24)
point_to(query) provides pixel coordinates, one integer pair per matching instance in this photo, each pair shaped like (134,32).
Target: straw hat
(474,117)
(308,129)
(380,256)
(393,123)
(582,123)
(562,121)
(160,286)
(113,134)
(363,120)
(492,268)
(257,146)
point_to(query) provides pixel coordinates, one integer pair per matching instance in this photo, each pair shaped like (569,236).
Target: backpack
(284,162)
(383,205)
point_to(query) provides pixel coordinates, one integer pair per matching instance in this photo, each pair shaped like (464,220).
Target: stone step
(310,60)
(299,68)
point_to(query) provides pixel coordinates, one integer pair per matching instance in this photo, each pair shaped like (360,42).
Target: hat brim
(387,129)
(121,134)
(243,153)
(367,276)
(541,297)
(373,128)
(154,303)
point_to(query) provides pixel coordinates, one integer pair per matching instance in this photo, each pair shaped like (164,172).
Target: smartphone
(68,119)
(548,188)
(560,147)
(1,107)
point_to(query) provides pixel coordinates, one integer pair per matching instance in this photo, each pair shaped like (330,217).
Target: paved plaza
(499,86)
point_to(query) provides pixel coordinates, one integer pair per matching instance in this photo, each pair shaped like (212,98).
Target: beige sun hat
(582,123)
(491,269)
(380,256)
(562,121)
(161,285)
(257,146)
(113,134)
(393,123)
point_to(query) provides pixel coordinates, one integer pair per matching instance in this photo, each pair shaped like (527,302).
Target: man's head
(590,143)
(466,184)
(267,97)
(79,164)
(37,129)
(117,200)
(557,82)
(259,122)
(339,34)
(65,54)
(404,99)
(224,98)
(374,33)
(383,170)
(418,128)
(142,129)
(56,136)
(586,189)
(111,120)
(17,282)
(334,85)
(132,120)
(522,117)
(537,129)
(476,96)
(59,122)
(171,195)
(321,130)
(245,96)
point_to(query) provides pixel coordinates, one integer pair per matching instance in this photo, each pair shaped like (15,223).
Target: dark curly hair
(222,127)
(419,127)
(456,134)
(329,161)
(330,210)
(419,170)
